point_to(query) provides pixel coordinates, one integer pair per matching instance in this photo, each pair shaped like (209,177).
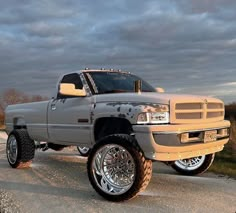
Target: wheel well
(19,123)
(108,126)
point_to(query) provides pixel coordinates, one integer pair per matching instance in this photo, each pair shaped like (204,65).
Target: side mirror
(69,89)
(160,90)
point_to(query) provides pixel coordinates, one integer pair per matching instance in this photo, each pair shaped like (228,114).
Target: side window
(72,79)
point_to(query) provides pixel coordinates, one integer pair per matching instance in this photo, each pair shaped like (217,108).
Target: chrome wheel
(113,169)
(84,151)
(191,163)
(12,149)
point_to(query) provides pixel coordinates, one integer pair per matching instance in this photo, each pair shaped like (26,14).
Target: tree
(12,96)
(2,115)
(230,111)
(1,108)
(36,98)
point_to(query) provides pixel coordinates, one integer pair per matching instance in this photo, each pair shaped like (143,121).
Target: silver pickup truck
(125,122)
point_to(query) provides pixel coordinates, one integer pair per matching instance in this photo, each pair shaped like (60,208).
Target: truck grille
(202,111)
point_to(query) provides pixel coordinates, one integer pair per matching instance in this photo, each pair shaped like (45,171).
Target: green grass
(225,162)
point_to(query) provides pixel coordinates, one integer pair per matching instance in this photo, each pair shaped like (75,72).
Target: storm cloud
(184,46)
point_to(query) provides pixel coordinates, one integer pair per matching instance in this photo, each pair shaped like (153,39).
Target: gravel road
(57,182)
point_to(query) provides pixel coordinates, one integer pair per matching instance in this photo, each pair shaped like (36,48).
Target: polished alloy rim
(83,150)
(190,163)
(12,149)
(113,169)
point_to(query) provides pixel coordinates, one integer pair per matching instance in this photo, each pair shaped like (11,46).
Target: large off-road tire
(83,151)
(117,168)
(193,166)
(20,149)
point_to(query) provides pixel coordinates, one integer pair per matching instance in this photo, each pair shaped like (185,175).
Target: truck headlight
(153,118)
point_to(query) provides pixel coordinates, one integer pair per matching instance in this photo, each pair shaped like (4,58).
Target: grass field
(225,162)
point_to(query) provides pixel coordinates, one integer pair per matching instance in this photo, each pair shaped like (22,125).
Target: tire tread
(26,149)
(144,170)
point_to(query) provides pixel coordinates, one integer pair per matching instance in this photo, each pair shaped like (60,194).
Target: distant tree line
(230,111)
(13,96)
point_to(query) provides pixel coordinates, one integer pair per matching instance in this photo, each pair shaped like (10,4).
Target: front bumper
(174,142)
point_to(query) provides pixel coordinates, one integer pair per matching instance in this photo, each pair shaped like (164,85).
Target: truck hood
(152,97)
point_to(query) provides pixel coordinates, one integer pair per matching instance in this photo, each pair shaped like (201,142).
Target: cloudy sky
(184,46)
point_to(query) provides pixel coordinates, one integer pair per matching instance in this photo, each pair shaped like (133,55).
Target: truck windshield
(115,82)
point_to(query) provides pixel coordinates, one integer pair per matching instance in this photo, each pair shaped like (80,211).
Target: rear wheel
(20,149)
(193,166)
(117,169)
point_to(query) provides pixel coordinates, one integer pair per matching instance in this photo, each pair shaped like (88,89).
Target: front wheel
(193,166)
(83,151)
(117,168)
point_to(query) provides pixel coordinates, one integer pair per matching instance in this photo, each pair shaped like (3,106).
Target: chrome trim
(37,125)
(85,83)
(12,149)
(190,164)
(61,126)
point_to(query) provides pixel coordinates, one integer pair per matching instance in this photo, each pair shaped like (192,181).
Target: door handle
(53,107)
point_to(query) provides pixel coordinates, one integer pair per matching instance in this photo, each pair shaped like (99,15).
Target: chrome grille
(193,115)
(214,114)
(196,111)
(188,106)
(215,106)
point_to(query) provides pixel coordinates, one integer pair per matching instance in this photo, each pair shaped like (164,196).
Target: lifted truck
(125,123)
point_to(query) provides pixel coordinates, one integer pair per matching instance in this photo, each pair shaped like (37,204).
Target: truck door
(69,117)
